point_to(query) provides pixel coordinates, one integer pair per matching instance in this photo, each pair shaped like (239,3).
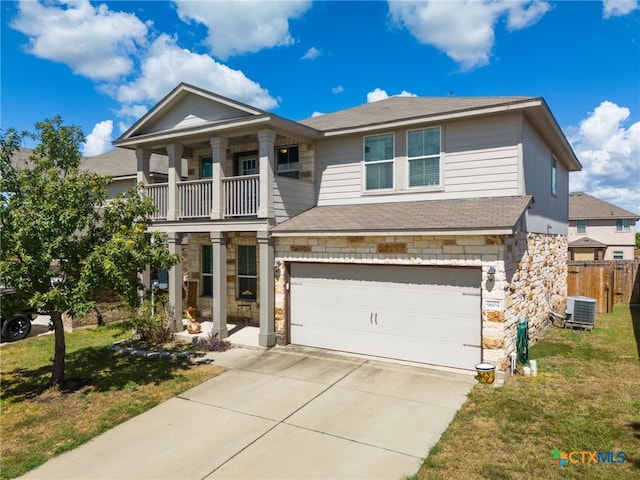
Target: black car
(18,325)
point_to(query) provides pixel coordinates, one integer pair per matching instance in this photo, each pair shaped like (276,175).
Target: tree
(637,240)
(60,240)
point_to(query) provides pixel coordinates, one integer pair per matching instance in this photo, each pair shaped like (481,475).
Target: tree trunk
(57,374)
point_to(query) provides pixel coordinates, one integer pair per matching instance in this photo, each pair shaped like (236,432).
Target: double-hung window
(378,162)
(622,225)
(581,226)
(206,167)
(618,255)
(247,272)
(423,154)
(287,162)
(206,271)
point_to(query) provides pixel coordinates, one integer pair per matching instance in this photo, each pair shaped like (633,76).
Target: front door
(246,163)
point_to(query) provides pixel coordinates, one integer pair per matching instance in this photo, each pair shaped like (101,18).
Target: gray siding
(338,170)
(119,186)
(480,159)
(549,213)
(193,111)
(291,197)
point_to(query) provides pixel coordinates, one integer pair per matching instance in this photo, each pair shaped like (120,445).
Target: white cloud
(463,30)
(243,26)
(379,94)
(311,54)
(99,140)
(166,65)
(618,8)
(132,111)
(610,155)
(93,41)
(338,89)
(316,114)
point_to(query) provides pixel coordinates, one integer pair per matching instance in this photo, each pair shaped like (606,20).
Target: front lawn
(103,389)
(585,398)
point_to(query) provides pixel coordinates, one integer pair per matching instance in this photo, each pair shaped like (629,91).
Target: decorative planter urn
(194,327)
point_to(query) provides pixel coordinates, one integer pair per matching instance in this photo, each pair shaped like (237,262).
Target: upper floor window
(554,176)
(423,152)
(378,161)
(287,162)
(206,167)
(622,225)
(581,226)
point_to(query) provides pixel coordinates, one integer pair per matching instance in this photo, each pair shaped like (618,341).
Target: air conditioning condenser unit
(581,312)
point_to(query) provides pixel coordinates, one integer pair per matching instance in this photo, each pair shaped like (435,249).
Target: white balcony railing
(196,198)
(159,193)
(241,195)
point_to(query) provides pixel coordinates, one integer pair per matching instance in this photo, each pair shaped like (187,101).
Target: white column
(267,337)
(144,178)
(174,173)
(266,138)
(175,281)
(218,164)
(144,175)
(219,254)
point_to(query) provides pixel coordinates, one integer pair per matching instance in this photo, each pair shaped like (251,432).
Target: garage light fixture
(491,274)
(276,266)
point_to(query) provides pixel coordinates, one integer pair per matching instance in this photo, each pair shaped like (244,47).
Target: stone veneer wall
(527,266)
(535,273)
(194,254)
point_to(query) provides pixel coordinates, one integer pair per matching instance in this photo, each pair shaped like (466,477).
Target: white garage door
(421,314)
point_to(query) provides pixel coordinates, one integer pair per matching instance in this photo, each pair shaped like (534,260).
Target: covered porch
(229,277)
(240,334)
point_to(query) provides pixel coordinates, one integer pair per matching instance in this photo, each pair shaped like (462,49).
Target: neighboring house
(119,164)
(419,229)
(599,230)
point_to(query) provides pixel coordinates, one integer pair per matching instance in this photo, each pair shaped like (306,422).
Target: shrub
(156,328)
(211,343)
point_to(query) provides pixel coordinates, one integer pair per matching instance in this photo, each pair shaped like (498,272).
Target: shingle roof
(20,157)
(583,207)
(498,213)
(586,242)
(116,163)
(402,108)
(122,162)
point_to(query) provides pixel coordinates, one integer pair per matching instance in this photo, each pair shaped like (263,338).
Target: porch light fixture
(276,266)
(491,274)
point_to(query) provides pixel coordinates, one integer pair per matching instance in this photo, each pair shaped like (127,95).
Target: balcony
(240,198)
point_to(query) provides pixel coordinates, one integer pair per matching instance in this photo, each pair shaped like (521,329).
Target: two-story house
(599,230)
(419,229)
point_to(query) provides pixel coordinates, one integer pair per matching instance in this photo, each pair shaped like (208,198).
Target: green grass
(102,390)
(586,397)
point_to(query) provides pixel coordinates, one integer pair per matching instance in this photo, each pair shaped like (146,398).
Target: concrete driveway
(283,413)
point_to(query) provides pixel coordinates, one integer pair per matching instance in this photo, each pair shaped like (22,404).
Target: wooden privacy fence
(609,283)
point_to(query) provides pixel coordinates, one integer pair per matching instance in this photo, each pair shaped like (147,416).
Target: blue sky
(101,65)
